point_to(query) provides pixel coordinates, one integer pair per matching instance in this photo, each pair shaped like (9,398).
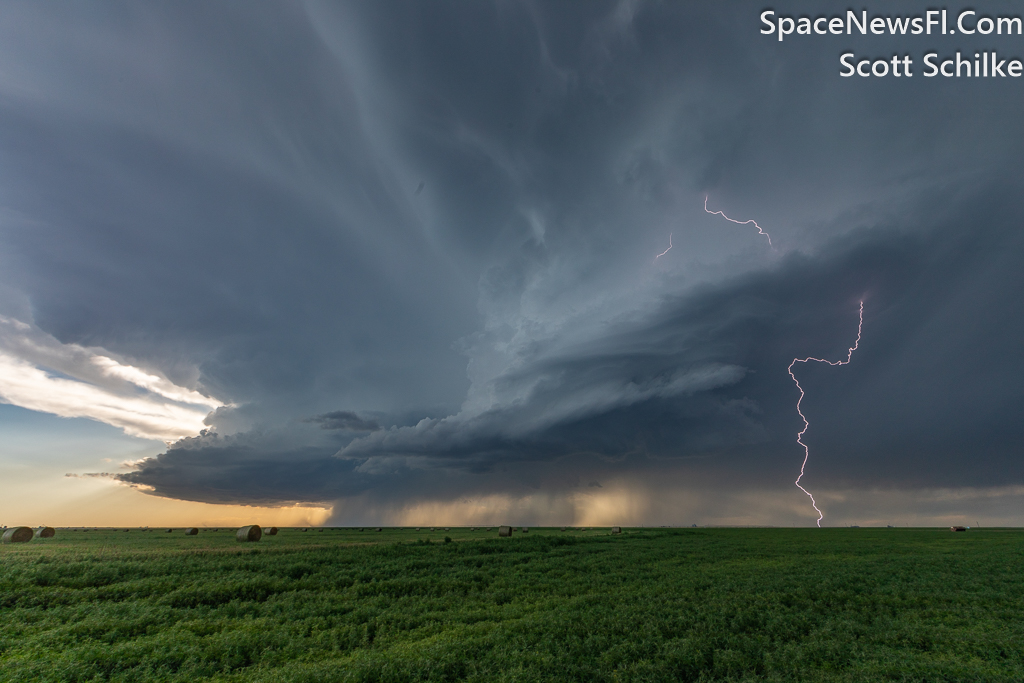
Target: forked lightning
(800,435)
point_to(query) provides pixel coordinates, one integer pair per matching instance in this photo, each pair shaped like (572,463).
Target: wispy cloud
(40,373)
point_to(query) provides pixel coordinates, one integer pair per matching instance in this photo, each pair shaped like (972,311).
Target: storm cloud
(343,419)
(704,376)
(406,252)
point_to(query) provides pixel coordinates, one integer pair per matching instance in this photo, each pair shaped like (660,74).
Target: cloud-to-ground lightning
(667,250)
(760,231)
(849,357)
(800,435)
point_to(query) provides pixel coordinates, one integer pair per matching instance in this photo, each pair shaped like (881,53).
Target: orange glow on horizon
(72,502)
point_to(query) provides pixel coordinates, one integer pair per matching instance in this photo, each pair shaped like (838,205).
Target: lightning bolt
(719,213)
(667,250)
(800,435)
(849,357)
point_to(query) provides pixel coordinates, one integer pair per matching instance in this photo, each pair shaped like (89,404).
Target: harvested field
(651,604)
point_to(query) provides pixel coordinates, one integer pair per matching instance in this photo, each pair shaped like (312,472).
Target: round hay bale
(379,529)
(192,531)
(525,530)
(504,531)
(302,530)
(45,532)
(320,530)
(447,529)
(18,534)
(616,530)
(563,528)
(170,531)
(272,531)
(249,534)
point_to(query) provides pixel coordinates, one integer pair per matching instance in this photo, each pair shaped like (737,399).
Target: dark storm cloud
(926,400)
(250,469)
(704,376)
(201,192)
(449,211)
(343,419)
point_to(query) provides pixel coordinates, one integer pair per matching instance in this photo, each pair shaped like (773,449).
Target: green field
(649,605)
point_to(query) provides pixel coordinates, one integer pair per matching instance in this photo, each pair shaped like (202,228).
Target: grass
(649,605)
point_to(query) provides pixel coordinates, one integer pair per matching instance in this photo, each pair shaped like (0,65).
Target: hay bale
(616,530)
(525,530)
(18,534)
(249,534)
(192,531)
(272,531)
(379,529)
(504,531)
(320,530)
(563,528)
(302,530)
(45,532)
(168,531)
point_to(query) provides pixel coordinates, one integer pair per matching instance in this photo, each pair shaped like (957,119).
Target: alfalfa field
(546,605)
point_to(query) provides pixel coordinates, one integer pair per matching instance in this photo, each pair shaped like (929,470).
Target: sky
(414,263)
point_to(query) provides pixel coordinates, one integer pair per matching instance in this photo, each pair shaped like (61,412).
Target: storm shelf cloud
(399,258)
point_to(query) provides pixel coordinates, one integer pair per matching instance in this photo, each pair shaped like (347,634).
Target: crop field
(548,605)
